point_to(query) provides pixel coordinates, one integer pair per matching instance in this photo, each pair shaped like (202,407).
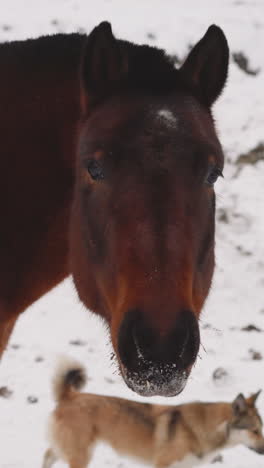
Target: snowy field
(59,324)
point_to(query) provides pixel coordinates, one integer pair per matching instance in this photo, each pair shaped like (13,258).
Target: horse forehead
(171,117)
(181,115)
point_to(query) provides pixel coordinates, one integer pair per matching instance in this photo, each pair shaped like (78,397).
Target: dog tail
(70,375)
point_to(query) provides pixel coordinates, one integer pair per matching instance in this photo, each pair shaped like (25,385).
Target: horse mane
(150,68)
(44,49)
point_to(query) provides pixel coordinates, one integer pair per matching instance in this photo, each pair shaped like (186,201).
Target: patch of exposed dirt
(5,392)
(253,156)
(251,327)
(243,63)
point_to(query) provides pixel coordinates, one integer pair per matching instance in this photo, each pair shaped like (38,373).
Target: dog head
(246,423)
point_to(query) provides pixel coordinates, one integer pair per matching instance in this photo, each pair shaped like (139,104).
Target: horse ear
(103,64)
(206,66)
(239,405)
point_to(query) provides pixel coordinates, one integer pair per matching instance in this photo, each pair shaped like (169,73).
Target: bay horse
(109,157)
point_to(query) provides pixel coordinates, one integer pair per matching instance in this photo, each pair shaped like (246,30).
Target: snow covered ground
(59,324)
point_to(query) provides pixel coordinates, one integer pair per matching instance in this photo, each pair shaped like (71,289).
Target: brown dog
(182,435)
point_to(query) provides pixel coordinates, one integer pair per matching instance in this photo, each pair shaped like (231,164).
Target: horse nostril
(186,337)
(131,337)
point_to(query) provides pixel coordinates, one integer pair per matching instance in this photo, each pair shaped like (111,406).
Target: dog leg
(161,465)
(81,460)
(49,459)
(78,464)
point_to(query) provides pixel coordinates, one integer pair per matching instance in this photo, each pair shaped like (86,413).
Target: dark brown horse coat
(40,108)
(108,160)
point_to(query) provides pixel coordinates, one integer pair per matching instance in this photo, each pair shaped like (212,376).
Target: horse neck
(40,100)
(39,94)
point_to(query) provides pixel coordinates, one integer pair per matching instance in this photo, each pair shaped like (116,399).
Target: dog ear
(206,66)
(103,64)
(239,405)
(252,399)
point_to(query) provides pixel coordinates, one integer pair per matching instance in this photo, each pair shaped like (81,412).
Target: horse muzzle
(152,364)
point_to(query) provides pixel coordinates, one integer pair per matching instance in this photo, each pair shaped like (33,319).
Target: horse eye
(256,431)
(213,173)
(95,169)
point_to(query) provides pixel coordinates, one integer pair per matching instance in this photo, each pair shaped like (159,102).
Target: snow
(167,117)
(59,324)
